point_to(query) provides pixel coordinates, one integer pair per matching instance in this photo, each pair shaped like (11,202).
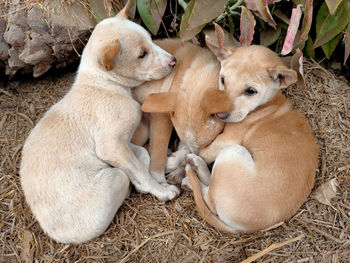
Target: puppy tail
(202,207)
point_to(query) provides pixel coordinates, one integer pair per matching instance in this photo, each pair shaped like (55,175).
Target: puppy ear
(216,101)
(108,53)
(222,52)
(124,12)
(163,102)
(283,75)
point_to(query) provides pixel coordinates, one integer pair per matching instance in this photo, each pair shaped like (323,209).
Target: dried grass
(146,230)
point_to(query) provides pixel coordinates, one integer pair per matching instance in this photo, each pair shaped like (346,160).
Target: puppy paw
(186,184)
(176,176)
(173,162)
(195,161)
(169,192)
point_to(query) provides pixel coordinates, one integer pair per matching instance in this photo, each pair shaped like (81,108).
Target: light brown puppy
(77,162)
(265,159)
(190,92)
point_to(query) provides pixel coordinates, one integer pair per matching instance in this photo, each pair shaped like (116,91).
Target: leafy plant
(282,25)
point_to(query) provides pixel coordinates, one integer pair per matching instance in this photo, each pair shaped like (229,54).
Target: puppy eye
(222,79)
(250,91)
(143,54)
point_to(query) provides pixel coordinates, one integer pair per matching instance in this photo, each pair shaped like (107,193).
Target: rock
(14,36)
(4,47)
(38,36)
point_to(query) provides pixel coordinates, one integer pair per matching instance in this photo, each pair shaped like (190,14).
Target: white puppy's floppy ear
(124,12)
(109,52)
(283,75)
(162,102)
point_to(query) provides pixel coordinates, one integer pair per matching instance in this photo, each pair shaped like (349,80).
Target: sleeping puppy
(266,157)
(77,163)
(190,92)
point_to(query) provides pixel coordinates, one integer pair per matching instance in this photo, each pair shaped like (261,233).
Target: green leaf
(101,9)
(263,11)
(270,36)
(151,12)
(307,21)
(309,50)
(332,5)
(204,11)
(332,25)
(330,46)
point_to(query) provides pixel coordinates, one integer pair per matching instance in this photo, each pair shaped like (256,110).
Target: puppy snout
(222,115)
(172,63)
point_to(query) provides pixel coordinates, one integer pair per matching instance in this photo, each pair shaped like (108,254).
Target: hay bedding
(147,230)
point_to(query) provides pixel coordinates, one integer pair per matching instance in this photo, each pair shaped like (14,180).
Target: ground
(147,230)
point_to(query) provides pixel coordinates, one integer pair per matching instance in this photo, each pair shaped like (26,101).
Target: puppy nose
(222,115)
(172,63)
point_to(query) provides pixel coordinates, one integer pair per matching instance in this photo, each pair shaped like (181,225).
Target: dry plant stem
(270,248)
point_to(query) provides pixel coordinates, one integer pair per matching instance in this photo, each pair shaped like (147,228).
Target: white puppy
(77,161)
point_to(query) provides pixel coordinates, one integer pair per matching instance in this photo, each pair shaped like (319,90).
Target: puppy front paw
(169,192)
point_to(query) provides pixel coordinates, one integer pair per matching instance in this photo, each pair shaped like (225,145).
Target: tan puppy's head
(251,76)
(122,48)
(193,115)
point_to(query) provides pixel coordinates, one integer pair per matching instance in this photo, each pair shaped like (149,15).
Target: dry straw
(146,230)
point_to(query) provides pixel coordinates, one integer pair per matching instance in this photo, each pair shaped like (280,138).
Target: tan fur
(194,79)
(77,162)
(265,161)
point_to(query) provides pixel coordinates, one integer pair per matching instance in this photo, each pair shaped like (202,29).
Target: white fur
(77,162)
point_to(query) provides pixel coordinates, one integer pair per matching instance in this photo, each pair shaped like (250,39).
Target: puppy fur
(191,88)
(78,161)
(265,159)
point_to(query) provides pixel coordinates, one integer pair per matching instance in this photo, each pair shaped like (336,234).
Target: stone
(14,36)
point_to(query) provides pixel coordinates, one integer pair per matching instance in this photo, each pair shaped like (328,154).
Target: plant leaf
(204,11)
(269,36)
(101,9)
(292,30)
(307,21)
(346,41)
(247,25)
(332,25)
(229,40)
(309,50)
(330,46)
(297,65)
(263,10)
(281,16)
(325,192)
(151,12)
(332,5)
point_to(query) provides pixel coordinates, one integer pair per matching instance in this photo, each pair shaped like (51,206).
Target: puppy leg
(141,134)
(186,184)
(89,210)
(200,166)
(160,132)
(176,158)
(141,154)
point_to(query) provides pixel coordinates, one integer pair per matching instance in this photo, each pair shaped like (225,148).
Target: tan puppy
(190,92)
(265,160)
(78,160)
